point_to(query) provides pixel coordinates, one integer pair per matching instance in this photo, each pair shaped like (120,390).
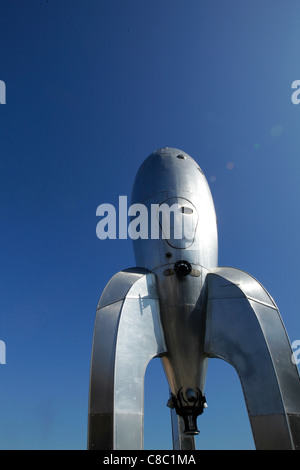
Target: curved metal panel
(127,335)
(118,286)
(244,328)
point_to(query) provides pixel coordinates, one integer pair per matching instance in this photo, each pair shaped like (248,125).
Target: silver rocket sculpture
(178,305)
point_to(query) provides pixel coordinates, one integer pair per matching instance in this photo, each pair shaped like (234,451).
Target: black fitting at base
(189,406)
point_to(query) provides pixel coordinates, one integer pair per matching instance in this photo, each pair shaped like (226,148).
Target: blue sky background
(93,87)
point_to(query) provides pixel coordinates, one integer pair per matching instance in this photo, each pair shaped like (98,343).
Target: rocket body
(170,178)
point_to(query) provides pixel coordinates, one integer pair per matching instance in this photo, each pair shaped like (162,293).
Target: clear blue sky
(93,87)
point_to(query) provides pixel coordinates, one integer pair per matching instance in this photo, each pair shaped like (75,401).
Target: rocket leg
(244,328)
(127,335)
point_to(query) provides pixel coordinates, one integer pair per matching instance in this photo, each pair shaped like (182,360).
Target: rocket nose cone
(174,155)
(172,152)
(167,169)
(177,200)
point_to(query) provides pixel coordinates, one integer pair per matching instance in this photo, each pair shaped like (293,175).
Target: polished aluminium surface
(127,335)
(168,176)
(199,311)
(244,327)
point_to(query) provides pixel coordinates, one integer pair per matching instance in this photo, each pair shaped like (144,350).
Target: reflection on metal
(127,335)
(180,306)
(244,328)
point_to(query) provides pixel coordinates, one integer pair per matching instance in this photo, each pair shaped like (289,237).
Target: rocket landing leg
(244,328)
(127,335)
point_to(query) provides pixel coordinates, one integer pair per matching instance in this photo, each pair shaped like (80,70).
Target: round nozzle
(191,395)
(182,268)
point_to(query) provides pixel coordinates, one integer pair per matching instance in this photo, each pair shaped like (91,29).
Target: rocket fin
(244,327)
(127,335)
